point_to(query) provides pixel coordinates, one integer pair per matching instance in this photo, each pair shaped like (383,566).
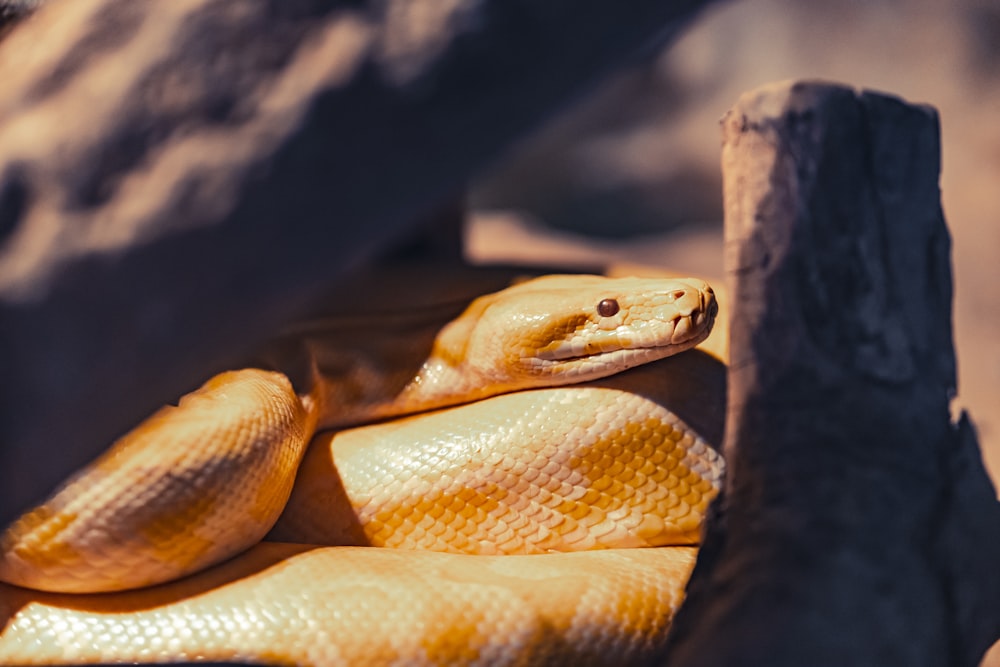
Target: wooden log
(178,179)
(857,524)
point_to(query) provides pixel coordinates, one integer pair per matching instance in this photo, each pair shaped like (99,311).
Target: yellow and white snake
(512,516)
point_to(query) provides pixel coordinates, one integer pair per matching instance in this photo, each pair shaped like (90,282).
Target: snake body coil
(602,465)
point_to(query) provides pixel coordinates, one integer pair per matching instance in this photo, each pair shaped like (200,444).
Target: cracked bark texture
(180,177)
(857,524)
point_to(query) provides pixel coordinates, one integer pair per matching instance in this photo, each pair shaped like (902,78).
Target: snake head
(565,329)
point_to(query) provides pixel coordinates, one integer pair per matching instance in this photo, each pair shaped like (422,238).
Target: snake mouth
(626,347)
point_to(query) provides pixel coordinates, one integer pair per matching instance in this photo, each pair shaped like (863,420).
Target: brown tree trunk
(857,524)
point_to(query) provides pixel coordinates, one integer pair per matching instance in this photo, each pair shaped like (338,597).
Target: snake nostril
(677,294)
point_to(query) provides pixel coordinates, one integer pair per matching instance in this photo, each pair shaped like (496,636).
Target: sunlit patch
(35,541)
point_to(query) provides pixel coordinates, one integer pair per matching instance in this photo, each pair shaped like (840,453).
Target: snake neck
(363,395)
(440,384)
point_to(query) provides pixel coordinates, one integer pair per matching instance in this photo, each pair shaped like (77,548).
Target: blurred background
(632,173)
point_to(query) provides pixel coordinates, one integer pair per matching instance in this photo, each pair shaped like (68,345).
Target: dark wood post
(858,526)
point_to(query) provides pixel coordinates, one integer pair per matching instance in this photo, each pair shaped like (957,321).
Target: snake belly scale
(529,466)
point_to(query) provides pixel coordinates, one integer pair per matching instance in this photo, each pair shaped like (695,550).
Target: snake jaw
(623,348)
(683,331)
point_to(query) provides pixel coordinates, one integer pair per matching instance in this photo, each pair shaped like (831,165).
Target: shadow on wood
(857,525)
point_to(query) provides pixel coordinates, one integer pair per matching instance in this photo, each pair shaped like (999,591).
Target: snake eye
(607,307)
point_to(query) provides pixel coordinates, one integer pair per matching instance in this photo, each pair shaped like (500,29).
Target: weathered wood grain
(858,526)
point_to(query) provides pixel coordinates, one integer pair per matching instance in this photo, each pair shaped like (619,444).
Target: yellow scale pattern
(149,510)
(611,607)
(597,467)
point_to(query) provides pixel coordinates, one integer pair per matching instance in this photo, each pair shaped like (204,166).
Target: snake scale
(512,473)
